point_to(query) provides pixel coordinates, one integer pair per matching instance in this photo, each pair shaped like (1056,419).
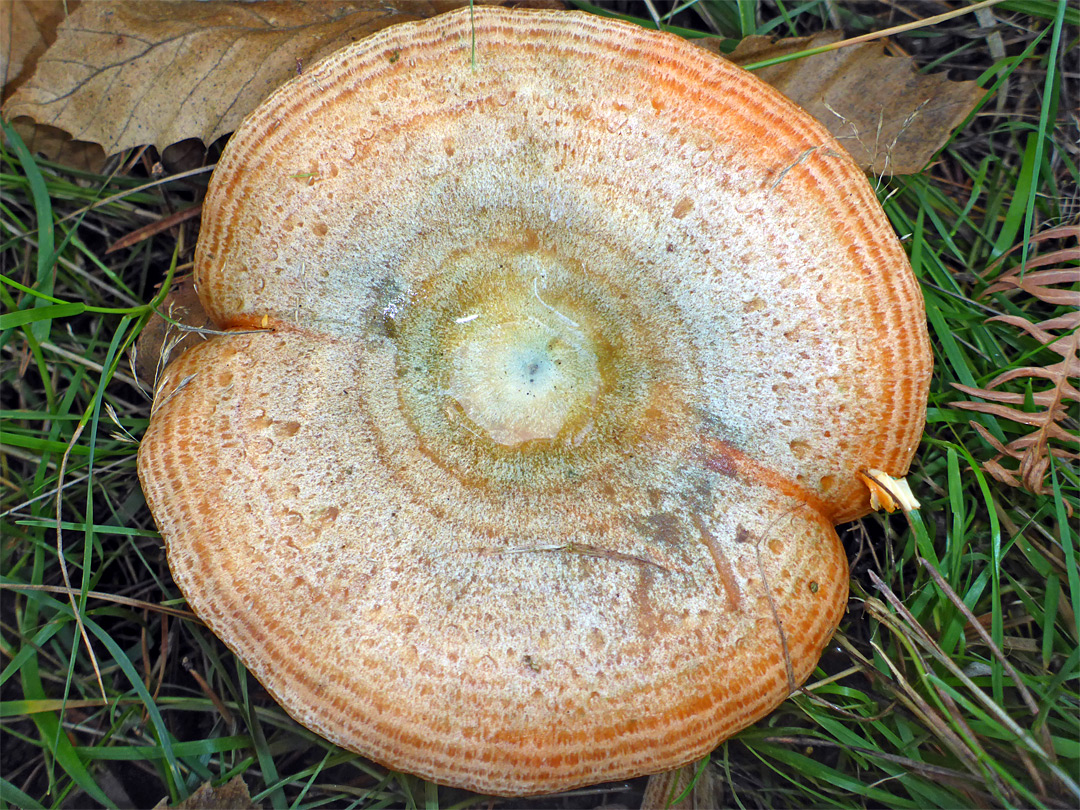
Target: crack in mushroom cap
(572,362)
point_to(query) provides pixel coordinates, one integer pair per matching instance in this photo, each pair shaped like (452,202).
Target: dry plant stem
(107,597)
(685,788)
(977,626)
(136,190)
(149,669)
(63,560)
(927,714)
(888,32)
(927,643)
(1033,772)
(51,492)
(222,709)
(145,648)
(53,661)
(839,676)
(14,452)
(202,330)
(90,278)
(155,228)
(1049,551)
(957,714)
(653,13)
(135,158)
(907,762)
(163,656)
(850,715)
(90,364)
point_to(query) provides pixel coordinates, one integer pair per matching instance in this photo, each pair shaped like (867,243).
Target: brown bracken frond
(1052,278)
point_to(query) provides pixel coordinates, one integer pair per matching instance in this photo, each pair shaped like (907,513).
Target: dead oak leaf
(27,29)
(124,74)
(56,145)
(891,118)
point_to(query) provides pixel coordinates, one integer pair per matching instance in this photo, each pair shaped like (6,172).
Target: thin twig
(144,187)
(88,363)
(977,626)
(888,32)
(907,762)
(999,714)
(108,597)
(48,494)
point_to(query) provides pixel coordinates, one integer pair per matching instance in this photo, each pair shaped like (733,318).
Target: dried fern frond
(1054,433)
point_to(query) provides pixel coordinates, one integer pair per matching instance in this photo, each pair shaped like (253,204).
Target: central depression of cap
(516,363)
(522,369)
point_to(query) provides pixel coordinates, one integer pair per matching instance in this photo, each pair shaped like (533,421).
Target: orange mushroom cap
(567,361)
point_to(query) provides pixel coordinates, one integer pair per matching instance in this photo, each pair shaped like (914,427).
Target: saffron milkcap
(554,367)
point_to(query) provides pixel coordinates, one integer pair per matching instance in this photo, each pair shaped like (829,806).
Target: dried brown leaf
(27,29)
(1034,260)
(888,116)
(1041,399)
(124,74)
(233,795)
(999,473)
(1063,255)
(1057,373)
(160,340)
(1038,282)
(59,146)
(1053,406)
(1031,451)
(1040,331)
(1002,412)
(1070,320)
